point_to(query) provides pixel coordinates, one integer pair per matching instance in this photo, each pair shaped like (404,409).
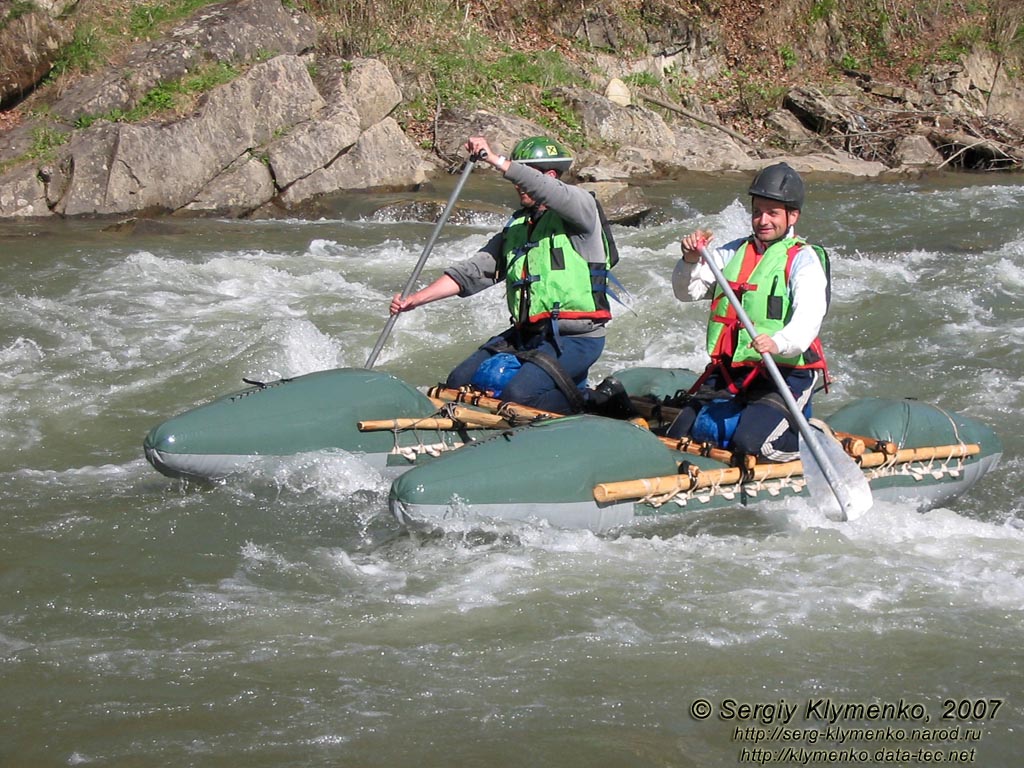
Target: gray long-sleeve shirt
(578,210)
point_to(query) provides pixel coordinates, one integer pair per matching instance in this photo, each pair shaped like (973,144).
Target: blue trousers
(532,385)
(765,426)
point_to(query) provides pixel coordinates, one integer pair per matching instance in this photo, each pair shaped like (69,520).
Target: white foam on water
(260,556)
(333,475)
(881,570)
(19,358)
(292,600)
(303,348)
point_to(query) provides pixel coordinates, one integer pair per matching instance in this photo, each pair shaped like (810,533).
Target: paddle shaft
(423,257)
(845,502)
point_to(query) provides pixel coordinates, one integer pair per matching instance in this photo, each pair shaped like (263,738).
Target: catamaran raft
(455,453)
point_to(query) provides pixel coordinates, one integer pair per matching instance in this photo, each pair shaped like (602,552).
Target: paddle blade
(848,496)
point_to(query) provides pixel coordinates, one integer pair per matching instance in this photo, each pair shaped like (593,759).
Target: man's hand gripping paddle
(423,257)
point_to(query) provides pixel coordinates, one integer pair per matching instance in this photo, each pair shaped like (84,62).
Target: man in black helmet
(783,285)
(553,257)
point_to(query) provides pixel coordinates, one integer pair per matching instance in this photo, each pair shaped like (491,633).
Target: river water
(284,619)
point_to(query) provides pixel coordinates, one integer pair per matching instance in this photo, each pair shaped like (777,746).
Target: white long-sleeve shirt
(807,292)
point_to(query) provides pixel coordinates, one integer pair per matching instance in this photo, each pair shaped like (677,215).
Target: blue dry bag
(495,372)
(716,422)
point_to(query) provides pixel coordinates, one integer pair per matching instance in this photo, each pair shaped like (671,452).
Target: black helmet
(779,182)
(542,153)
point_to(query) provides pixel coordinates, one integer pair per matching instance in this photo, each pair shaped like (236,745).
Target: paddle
(847,483)
(423,257)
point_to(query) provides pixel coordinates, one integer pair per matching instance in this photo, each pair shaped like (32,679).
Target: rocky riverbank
(291,125)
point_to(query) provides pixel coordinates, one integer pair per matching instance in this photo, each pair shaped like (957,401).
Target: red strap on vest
(725,348)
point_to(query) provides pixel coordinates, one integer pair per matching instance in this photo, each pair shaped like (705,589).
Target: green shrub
(44,141)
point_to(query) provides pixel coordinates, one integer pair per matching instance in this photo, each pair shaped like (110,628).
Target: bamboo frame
(695,478)
(458,417)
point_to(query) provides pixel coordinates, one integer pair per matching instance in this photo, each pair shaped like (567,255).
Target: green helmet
(542,153)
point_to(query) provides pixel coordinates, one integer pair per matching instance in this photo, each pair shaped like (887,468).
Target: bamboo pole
(931,453)
(684,445)
(692,447)
(458,417)
(523,412)
(390,425)
(638,489)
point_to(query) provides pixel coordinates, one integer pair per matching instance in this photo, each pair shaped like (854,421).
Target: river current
(285,619)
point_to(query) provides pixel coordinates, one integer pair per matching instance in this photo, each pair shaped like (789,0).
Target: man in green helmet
(783,284)
(553,258)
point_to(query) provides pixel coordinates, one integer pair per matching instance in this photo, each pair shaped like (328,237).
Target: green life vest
(762,286)
(545,277)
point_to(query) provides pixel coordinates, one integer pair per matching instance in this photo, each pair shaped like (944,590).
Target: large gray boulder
(245,185)
(977,84)
(605,122)
(834,162)
(314,144)
(383,158)
(118,168)
(269,135)
(231,32)
(365,85)
(710,150)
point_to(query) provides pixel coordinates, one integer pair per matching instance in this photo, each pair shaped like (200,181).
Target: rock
(22,194)
(244,186)
(829,162)
(503,132)
(908,97)
(366,85)
(617,93)
(246,30)
(986,83)
(668,30)
(117,168)
(966,86)
(29,46)
(605,123)
(791,133)
(383,158)
(699,150)
(77,183)
(917,152)
(622,203)
(1006,100)
(314,144)
(816,111)
(599,173)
